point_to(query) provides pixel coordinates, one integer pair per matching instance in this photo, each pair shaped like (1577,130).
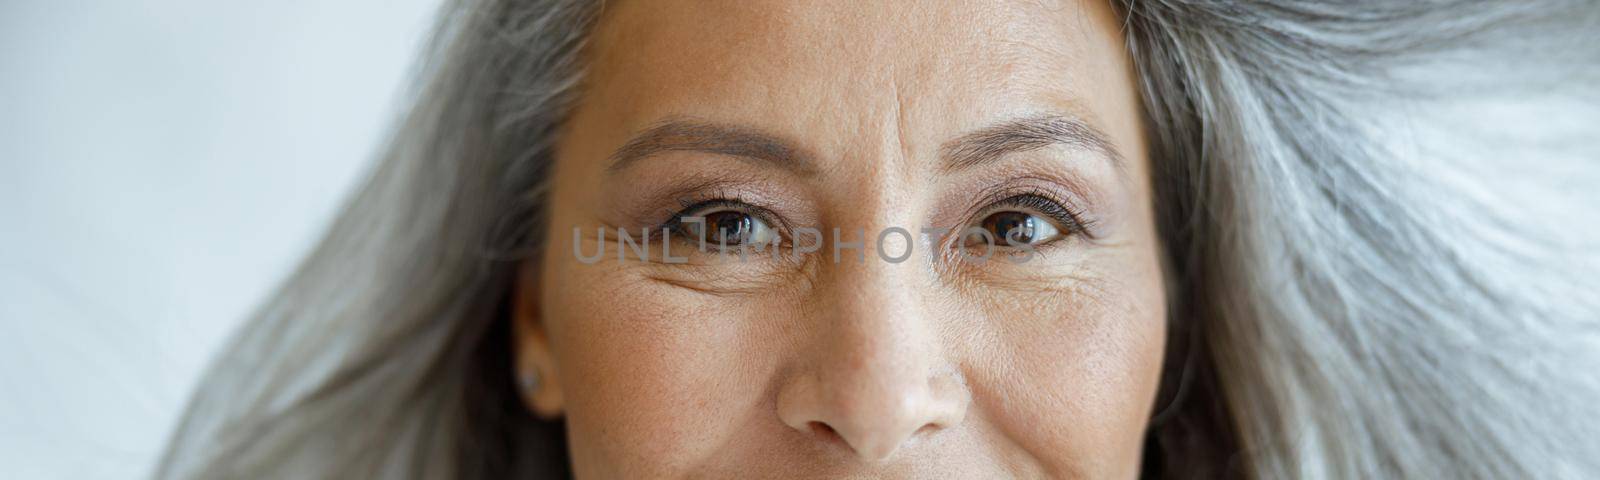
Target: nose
(873,376)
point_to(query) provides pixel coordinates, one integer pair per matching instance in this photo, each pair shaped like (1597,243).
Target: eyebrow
(970,150)
(692,136)
(992,143)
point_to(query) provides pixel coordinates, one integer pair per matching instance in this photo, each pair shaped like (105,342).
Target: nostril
(825,433)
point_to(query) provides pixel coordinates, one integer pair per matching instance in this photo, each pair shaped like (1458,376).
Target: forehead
(853,68)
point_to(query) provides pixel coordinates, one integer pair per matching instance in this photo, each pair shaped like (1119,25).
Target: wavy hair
(1380,220)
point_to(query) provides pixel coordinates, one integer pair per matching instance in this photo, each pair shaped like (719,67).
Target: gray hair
(1379,216)
(1374,290)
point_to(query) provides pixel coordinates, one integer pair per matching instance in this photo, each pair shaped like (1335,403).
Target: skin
(803,367)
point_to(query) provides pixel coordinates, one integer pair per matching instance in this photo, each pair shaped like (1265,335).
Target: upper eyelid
(1017,201)
(1014,201)
(1010,198)
(717,205)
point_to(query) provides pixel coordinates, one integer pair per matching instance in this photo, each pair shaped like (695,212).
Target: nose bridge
(881,343)
(876,375)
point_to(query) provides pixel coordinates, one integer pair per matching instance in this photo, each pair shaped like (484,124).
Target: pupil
(728,228)
(1018,227)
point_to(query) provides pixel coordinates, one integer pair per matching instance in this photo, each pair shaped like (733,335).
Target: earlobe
(537,380)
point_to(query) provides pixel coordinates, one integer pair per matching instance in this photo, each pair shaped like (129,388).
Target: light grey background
(162,165)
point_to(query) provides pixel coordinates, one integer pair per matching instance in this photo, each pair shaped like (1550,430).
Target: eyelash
(1074,221)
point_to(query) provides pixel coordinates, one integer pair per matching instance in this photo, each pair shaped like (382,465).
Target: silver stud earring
(529,381)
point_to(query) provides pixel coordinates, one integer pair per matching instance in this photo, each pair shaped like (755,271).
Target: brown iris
(729,227)
(1011,227)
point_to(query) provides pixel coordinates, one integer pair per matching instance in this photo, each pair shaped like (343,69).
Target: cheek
(652,374)
(1072,378)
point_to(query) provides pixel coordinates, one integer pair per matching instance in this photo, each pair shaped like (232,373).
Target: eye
(725,222)
(1026,219)
(729,227)
(1017,228)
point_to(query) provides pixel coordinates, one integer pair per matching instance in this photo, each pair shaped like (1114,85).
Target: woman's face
(766,119)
